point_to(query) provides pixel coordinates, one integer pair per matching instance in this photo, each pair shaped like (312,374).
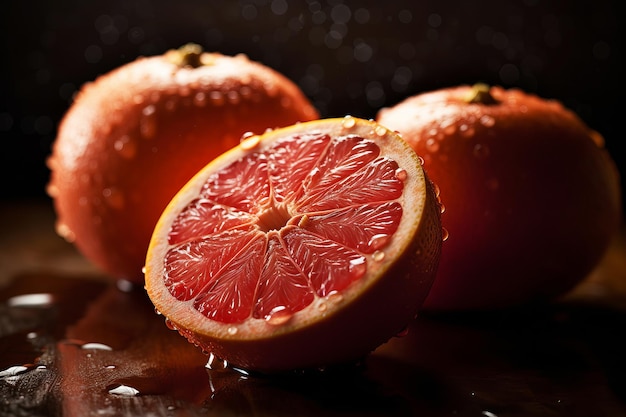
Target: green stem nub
(480,94)
(188,55)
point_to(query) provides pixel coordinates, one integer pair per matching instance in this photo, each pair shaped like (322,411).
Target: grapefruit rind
(384,299)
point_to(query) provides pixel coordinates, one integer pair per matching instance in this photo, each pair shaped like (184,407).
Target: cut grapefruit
(304,247)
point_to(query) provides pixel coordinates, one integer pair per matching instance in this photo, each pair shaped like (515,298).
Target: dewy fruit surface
(137,134)
(304,247)
(532,198)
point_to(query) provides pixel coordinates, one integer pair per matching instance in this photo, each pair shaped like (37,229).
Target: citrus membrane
(296,229)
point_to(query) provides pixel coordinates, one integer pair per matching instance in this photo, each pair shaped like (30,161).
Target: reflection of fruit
(137,134)
(306,246)
(532,198)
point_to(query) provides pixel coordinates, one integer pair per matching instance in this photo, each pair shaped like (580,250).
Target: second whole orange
(532,198)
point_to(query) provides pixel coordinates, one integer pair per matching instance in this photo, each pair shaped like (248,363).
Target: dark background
(348,57)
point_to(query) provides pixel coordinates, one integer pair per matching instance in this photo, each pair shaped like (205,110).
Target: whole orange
(135,135)
(532,198)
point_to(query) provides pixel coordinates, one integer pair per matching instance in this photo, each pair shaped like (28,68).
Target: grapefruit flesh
(304,247)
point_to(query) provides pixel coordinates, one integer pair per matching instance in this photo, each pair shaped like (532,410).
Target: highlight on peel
(304,247)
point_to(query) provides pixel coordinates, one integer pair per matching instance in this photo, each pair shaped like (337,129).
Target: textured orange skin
(532,197)
(134,136)
(371,318)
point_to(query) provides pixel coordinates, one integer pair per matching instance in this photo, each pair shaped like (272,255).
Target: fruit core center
(274,217)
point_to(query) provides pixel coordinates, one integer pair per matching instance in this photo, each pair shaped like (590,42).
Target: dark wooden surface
(68,349)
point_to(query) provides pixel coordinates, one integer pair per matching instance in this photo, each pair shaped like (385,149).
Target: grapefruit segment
(192,265)
(298,157)
(306,246)
(203,217)
(284,288)
(365,228)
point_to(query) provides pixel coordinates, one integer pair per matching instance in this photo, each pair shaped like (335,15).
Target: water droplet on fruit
(487,120)
(65,232)
(334,297)
(357,267)
(449,129)
(278,315)
(380,131)
(348,122)
(271,88)
(157,312)
(169,324)
(233,97)
(432,145)
(481,151)
(199,99)
(444,234)
(147,124)
(126,147)
(52,190)
(96,346)
(245,92)
(114,198)
(110,367)
(401,174)
(322,307)
(217,98)
(378,256)
(232,331)
(249,141)
(124,391)
(466,130)
(378,241)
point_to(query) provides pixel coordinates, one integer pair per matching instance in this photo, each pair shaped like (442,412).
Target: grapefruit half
(304,247)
